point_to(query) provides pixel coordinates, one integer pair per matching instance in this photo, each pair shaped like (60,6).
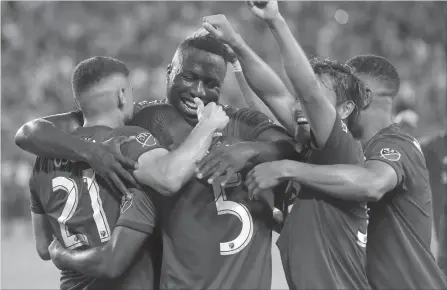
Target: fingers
(127,162)
(126,176)
(200,107)
(210,156)
(211,29)
(208,168)
(230,173)
(125,139)
(256,10)
(218,171)
(118,184)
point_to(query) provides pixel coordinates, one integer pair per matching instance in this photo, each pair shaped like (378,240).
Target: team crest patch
(126,202)
(146,140)
(390,154)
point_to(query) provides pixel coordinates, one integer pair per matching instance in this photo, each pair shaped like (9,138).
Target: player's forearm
(272,151)
(95,262)
(347,182)
(179,165)
(42,138)
(265,83)
(251,98)
(296,64)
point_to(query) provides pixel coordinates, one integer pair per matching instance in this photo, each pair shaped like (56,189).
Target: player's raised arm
(50,137)
(260,77)
(167,171)
(319,111)
(252,100)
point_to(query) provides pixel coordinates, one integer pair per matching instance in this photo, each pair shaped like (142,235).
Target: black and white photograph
(171,145)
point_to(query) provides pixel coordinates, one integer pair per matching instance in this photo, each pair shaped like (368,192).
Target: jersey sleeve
(389,150)
(35,204)
(340,147)
(138,211)
(248,124)
(143,142)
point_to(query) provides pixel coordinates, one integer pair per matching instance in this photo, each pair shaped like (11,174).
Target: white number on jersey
(69,186)
(225,206)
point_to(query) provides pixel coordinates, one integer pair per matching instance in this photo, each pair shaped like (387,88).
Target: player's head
(346,92)
(101,88)
(198,69)
(382,79)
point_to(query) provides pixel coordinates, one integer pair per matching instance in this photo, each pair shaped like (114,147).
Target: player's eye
(188,77)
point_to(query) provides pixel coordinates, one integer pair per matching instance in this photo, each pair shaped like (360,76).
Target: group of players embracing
(180,193)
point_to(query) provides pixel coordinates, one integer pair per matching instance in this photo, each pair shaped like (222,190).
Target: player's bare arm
(107,261)
(348,182)
(270,145)
(260,77)
(50,137)
(252,100)
(43,234)
(167,171)
(319,111)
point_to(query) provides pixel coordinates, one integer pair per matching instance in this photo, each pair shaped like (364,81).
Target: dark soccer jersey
(323,241)
(214,237)
(400,225)
(435,152)
(80,207)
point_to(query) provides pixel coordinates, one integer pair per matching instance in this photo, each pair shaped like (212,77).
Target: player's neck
(108,121)
(380,117)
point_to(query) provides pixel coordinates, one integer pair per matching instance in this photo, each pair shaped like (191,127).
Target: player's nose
(198,91)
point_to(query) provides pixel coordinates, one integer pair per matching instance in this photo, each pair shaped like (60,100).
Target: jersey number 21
(70,187)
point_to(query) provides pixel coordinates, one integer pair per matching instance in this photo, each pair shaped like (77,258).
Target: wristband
(236,66)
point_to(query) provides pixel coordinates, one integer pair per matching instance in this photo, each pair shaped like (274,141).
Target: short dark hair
(92,70)
(346,85)
(203,40)
(377,67)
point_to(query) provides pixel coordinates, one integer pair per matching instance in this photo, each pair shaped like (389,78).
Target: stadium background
(41,42)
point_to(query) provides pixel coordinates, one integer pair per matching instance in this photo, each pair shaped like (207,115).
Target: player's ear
(346,109)
(368,98)
(121,98)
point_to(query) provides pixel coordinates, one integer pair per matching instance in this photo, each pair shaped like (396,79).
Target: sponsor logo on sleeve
(390,154)
(146,140)
(126,202)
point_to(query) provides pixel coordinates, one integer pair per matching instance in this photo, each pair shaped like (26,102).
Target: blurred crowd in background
(41,43)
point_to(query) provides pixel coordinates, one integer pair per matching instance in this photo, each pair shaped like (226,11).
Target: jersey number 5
(225,206)
(70,187)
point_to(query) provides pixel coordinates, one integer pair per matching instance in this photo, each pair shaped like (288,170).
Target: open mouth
(190,106)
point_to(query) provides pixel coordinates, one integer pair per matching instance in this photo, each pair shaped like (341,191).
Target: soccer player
(322,244)
(435,152)
(394,179)
(78,208)
(138,214)
(199,218)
